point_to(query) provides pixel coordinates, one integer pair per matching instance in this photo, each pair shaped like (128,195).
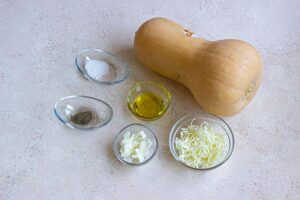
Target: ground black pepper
(82,118)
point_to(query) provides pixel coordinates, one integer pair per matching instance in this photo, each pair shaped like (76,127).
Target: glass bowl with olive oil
(148,100)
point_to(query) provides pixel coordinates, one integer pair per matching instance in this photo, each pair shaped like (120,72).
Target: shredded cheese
(200,146)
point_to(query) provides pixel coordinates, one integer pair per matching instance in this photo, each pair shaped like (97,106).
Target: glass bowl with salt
(101,67)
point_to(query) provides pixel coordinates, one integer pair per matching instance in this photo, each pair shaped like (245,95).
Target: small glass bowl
(66,107)
(133,128)
(118,68)
(216,122)
(152,87)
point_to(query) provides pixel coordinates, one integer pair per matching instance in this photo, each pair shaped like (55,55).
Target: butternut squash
(223,75)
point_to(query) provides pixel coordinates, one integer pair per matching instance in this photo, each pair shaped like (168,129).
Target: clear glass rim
(166,91)
(117,154)
(121,79)
(66,122)
(229,134)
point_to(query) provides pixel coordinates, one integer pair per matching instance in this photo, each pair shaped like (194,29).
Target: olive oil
(148,105)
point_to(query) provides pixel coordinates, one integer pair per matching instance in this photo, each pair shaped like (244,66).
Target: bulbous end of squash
(228,78)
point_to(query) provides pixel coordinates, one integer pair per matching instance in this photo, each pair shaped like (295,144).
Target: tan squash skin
(223,76)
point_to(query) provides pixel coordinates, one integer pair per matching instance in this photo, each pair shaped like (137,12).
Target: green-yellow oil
(148,105)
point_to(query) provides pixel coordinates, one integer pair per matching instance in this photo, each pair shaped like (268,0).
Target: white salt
(99,70)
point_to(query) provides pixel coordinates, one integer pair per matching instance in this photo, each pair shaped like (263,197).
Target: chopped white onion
(135,147)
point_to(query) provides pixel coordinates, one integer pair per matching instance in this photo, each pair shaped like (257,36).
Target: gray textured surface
(42,159)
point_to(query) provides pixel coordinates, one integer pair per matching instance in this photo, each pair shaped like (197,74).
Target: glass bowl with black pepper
(83,112)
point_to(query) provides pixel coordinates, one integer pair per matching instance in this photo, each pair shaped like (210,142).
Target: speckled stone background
(40,158)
